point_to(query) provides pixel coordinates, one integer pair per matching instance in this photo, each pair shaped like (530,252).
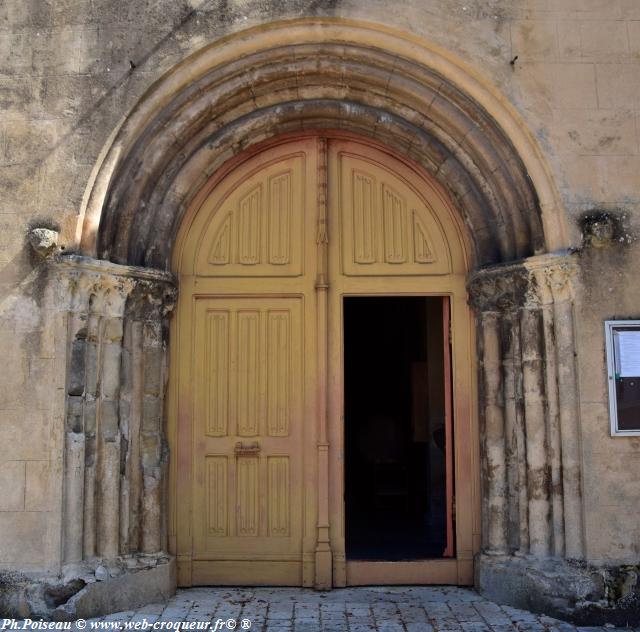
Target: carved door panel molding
(387,229)
(257,229)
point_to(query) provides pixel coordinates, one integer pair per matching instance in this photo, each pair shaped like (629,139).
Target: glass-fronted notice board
(623,365)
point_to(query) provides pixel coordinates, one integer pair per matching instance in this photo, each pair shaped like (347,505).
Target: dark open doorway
(395,465)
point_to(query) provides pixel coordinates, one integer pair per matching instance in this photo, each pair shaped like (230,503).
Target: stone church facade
(514,124)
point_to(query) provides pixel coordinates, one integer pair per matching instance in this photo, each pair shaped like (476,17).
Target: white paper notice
(629,346)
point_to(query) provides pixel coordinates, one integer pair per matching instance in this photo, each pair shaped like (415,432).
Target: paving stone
(305,610)
(358,609)
(174,614)
(531,626)
(502,627)
(473,626)
(280,615)
(437,609)
(467,613)
(228,611)
(143,617)
(419,627)
(332,607)
(334,620)
(371,609)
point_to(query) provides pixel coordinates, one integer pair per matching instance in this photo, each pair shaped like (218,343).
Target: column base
(566,589)
(89,589)
(323,569)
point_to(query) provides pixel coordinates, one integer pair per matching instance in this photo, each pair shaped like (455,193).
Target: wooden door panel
(255,228)
(387,227)
(248,367)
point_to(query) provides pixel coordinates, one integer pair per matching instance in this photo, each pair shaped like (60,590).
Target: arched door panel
(257,228)
(387,228)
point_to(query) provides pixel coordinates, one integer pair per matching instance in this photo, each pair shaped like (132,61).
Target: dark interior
(395,486)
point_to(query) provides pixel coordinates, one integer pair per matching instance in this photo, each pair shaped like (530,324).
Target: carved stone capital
(534,295)
(560,280)
(110,294)
(500,289)
(152,300)
(553,272)
(109,289)
(532,283)
(74,291)
(542,290)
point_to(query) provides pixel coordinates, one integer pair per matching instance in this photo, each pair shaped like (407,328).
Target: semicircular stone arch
(304,78)
(305,75)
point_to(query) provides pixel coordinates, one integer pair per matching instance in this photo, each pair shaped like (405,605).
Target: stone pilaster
(117,345)
(533,501)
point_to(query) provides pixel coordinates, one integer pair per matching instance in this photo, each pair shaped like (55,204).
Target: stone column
(494,439)
(111,297)
(130,418)
(560,282)
(76,291)
(537,489)
(90,418)
(493,431)
(508,295)
(554,451)
(149,306)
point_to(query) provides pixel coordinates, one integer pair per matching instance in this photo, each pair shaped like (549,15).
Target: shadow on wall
(220,15)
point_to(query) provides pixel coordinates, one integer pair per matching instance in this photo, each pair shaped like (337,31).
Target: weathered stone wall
(71,70)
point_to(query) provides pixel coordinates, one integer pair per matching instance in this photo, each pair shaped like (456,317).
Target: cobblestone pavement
(385,609)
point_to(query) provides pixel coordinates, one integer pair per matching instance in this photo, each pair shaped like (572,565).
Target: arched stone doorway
(418,102)
(270,261)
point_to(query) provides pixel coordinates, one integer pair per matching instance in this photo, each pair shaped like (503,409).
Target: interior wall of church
(70,70)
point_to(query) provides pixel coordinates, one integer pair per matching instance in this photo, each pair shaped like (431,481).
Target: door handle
(247,449)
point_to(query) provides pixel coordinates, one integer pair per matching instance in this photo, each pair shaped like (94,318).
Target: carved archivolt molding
(320,74)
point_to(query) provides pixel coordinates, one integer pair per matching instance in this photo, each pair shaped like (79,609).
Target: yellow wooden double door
(265,257)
